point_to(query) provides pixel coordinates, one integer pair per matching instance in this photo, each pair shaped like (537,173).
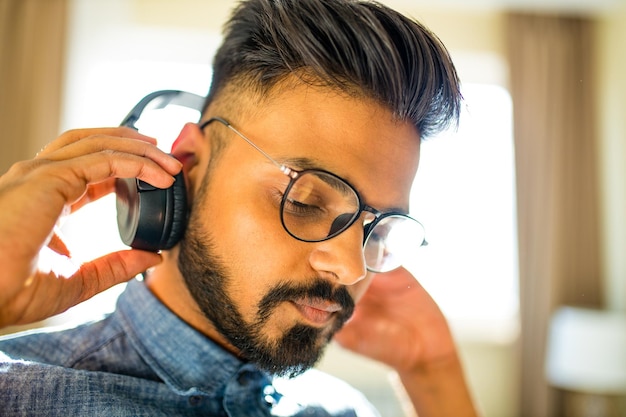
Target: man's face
(272,299)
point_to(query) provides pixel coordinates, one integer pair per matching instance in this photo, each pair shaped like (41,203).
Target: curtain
(32,47)
(551,74)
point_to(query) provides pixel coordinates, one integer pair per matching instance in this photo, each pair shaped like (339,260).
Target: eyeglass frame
(294,174)
(196,102)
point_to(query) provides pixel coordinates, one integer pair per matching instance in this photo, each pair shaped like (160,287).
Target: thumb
(112,269)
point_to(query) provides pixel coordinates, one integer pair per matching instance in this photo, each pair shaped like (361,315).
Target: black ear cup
(151,218)
(179,212)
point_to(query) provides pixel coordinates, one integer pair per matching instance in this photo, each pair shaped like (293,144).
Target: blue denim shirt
(142,360)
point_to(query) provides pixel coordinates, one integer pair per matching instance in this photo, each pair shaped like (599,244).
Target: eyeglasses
(318,205)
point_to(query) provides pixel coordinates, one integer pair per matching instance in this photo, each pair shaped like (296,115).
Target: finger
(94,192)
(71,178)
(102,143)
(397,280)
(45,294)
(354,336)
(58,246)
(347,337)
(75,135)
(100,274)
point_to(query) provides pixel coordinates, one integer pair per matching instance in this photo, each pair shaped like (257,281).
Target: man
(298,176)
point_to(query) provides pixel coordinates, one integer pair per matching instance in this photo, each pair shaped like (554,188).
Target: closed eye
(299,208)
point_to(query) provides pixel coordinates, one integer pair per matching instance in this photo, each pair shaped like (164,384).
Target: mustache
(317,289)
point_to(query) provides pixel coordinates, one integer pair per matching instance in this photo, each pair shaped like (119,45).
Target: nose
(341,256)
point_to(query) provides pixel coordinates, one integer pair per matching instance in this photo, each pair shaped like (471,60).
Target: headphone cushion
(178,218)
(151,218)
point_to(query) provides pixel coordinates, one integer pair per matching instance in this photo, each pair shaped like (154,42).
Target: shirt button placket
(247,394)
(270,396)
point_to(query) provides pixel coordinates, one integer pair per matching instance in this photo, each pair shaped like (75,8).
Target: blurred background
(524,205)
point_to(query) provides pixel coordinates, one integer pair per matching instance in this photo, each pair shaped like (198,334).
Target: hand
(75,169)
(397,322)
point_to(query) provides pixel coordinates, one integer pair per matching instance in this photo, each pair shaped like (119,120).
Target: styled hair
(359,47)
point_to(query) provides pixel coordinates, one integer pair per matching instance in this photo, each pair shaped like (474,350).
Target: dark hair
(359,47)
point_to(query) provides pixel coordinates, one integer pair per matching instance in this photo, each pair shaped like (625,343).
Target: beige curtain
(551,60)
(32,47)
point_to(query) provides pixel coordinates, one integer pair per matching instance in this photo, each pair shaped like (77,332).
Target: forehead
(353,137)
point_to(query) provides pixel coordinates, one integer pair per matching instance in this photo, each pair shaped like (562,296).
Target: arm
(397,323)
(78,167)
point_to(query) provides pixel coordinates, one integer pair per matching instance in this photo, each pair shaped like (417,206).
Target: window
(464,194)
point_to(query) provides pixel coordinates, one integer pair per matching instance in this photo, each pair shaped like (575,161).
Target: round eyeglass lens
(393,240)
(318,205)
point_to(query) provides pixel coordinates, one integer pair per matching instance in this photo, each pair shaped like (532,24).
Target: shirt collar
(186,360)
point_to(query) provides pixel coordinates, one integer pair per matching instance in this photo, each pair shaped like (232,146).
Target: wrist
(438,388)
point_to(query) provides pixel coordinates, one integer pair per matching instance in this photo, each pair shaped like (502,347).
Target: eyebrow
(301,163)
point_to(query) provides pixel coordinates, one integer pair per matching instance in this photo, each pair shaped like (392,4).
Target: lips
(316,311)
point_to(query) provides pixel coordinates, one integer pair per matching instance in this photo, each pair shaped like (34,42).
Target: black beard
(297,350)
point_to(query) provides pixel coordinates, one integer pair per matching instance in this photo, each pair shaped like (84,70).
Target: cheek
(248,237)
(236,214)
(245,222)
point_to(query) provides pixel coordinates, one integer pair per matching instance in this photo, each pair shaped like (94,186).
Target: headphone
(151,218)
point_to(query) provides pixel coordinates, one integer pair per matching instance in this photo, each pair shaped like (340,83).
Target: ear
(191,147)
(188,144)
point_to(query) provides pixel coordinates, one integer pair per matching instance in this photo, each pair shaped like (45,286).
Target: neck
(167,284)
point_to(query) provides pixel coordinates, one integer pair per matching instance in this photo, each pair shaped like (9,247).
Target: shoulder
(101,346)
(59,346)
(32,388)
(315,388)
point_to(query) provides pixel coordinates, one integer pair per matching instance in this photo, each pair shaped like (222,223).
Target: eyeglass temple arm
(160,99)
(285,169)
